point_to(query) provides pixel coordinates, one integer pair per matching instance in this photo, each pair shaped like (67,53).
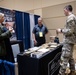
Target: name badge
(40,34)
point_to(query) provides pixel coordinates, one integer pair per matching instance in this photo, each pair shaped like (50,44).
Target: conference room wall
(75,7)
(21,5)
(53,33)
(26,5)
(53,18)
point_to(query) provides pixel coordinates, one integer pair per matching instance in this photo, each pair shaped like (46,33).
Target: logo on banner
(54,64)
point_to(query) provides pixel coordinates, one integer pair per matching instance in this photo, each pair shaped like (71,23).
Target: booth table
(47,64)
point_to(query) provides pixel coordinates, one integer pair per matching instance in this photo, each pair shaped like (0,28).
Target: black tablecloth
(48,64)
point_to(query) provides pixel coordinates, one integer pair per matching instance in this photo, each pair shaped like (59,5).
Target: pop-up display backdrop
(22,23)
(9,21)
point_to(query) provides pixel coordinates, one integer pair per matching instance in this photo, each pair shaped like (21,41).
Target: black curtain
(26,30)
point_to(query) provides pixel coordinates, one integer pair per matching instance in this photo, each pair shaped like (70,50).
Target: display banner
(9,21)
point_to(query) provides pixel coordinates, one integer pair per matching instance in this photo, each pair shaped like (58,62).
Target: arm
(70,28)
(33,36)
(46,30)
(5,33)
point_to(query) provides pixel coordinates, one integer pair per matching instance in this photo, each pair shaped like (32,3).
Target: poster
(9,21)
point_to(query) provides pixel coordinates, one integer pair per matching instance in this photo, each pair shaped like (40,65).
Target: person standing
(5,46)
(39,32)
(69,32)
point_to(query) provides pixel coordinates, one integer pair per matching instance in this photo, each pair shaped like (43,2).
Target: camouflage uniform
(69,40)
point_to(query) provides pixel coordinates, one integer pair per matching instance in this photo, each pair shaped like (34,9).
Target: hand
(58,30)
(35,42)
(10,29)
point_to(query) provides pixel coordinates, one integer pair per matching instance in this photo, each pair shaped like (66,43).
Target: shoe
(72,73)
